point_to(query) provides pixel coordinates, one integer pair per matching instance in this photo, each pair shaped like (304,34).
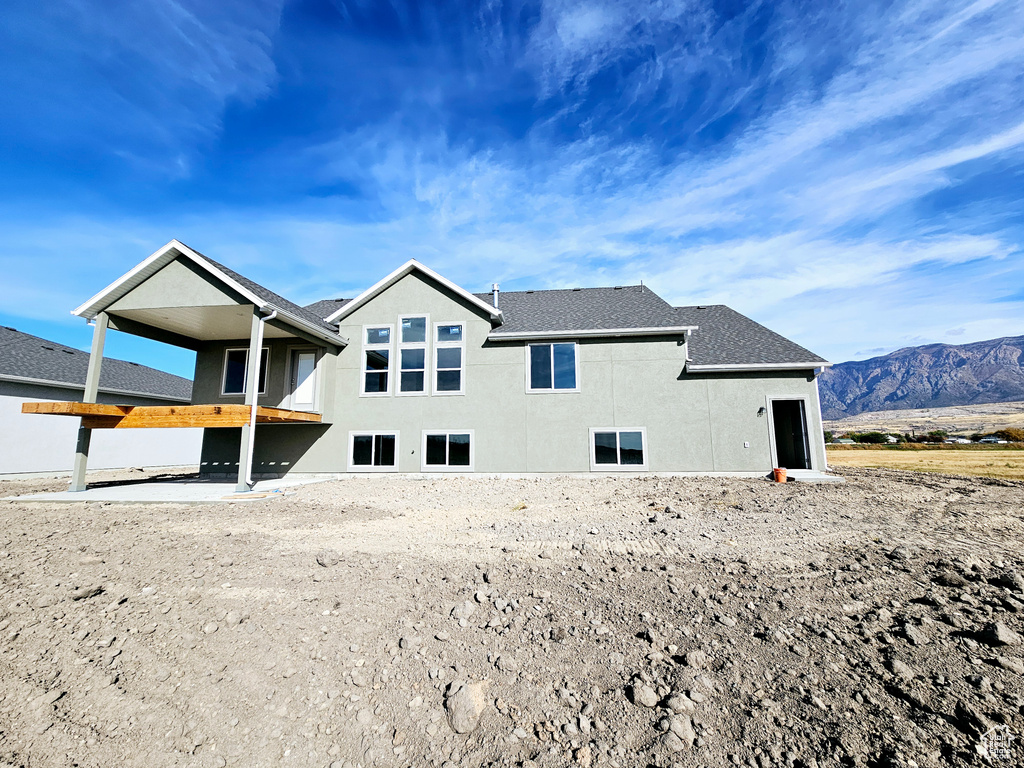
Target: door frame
(289,369)
(773,453)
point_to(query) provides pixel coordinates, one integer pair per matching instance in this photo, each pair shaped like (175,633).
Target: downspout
(256,398)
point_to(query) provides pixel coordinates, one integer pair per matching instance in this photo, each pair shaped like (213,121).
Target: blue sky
(848,174)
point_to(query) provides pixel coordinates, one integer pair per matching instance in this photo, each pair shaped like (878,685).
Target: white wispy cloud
(812,210)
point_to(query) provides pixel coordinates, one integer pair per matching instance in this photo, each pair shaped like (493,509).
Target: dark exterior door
(789,421)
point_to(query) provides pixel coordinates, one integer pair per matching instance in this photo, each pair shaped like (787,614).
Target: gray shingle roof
(725,337)
(582,309)
(25,356)
(326,307)
(274,298)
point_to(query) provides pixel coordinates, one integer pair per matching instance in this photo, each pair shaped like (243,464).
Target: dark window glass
(436,450)
(234,371)
(376,370)
(264,360)
(449,381)
(384,448)
(362,450)
(631,448)
(378,335)
(237,362)
(565,366)
(540,366)
(412,381)
(414,330)
(449,357)
(449,333)
(413,359)
(413,366)
(605,448)
(458,450)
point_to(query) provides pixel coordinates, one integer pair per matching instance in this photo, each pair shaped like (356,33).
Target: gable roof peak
(410,266)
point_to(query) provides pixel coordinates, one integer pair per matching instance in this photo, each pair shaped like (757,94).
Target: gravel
(543,622)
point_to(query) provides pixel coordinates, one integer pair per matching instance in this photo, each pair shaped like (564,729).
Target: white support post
(92,387)
(252,388)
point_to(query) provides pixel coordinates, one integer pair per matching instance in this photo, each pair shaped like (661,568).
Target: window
(449,358)
(448,451)
(376,360)
(552,367)
(412,355)
(618,449)
(236,370)
(373,451)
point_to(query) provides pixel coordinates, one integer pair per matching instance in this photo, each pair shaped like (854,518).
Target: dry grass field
(1007,464)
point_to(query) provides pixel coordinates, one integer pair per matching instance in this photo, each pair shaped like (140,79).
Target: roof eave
(76,387)
(740,367)
(592,333)
(169,253)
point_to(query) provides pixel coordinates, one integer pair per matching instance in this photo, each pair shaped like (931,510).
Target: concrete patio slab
(188,491)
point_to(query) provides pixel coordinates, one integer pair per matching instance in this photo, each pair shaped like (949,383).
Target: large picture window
(612,449)
(552,367)
(376,360)
(449,358)
(447,451)
(412,355)
(236,370)
(373,451)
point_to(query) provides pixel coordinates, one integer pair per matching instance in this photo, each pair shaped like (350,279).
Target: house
(33,369)
(418,375)
(845,441)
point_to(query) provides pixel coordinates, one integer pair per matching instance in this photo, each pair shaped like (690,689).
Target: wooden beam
(76,409)
(99,416)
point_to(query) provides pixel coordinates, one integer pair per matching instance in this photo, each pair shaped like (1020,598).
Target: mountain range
(930,376)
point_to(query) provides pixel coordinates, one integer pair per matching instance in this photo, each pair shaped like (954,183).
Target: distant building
(34,369)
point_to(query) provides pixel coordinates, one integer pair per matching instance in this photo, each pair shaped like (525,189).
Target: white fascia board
(756,367)
(165,256)
(151,266)
(398,274)
(592,332)
(81,388)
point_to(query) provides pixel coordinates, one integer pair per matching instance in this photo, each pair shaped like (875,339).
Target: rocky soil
(555,622)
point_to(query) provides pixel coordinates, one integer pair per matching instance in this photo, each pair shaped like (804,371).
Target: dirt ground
(997,462)
(554,622)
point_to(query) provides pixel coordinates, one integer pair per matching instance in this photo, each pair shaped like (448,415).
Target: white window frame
(551,390)
(373,433)
(390,347)
(424,467)
(448,345)
(617,467)
(224,372)
(425,346)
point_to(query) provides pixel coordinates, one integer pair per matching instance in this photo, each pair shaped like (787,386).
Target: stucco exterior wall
(694,422)
(34,443)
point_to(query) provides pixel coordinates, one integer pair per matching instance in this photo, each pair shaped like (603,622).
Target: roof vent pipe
(494,294)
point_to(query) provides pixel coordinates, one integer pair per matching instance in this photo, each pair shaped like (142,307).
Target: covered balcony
(180,297)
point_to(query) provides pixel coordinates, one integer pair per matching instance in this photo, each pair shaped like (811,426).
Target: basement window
(552,368)
(447,451)
(373,451)
(376,378)
(236,370)
(618,449)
